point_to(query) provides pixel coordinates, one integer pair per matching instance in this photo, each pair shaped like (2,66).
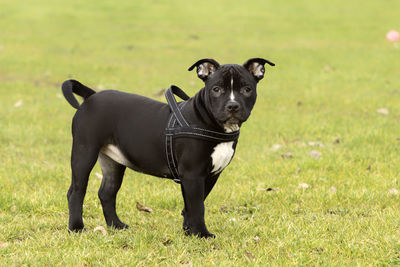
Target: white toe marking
(113,152)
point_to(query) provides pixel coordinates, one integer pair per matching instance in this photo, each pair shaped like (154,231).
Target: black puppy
(190,142)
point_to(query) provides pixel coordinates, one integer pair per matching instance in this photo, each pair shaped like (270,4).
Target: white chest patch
(221,156)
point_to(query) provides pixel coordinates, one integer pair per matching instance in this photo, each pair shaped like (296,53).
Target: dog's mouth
(232,120)
(231,124)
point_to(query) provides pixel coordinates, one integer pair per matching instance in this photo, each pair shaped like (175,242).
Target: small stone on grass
(383,111)
(18,104)
(304,186)
(275,147)
(257,239)
(315,154)
(393,191)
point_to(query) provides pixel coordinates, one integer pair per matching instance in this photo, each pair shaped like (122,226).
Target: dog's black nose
(232,106)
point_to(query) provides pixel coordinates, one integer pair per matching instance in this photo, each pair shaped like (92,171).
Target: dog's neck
(202,114)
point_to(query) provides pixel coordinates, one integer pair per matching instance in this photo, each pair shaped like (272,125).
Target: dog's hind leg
(83,158)
(113,174)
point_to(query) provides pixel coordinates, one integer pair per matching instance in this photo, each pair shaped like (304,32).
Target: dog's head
(231,89)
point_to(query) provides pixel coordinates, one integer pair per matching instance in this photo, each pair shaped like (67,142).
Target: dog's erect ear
(256,67)
(205,67)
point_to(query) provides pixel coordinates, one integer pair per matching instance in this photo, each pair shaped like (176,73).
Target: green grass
(332,57)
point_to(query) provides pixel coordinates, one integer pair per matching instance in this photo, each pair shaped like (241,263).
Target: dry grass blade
(249,255)
(100,229)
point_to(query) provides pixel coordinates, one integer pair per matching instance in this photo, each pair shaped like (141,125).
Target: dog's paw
(200,234)
(206,235)
(77,227)
(119,226)
(77,230)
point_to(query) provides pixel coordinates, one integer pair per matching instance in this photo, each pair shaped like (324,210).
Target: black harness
(178,127)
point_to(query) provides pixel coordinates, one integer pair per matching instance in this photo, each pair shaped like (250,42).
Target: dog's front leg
(208,186)
(193,195)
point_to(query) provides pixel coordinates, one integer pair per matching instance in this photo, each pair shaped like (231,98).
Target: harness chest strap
(177,127)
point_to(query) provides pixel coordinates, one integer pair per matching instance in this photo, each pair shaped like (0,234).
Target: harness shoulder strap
(184,129)
(169,95)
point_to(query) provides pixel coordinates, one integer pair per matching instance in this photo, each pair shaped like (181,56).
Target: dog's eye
(246,90)
(216,89)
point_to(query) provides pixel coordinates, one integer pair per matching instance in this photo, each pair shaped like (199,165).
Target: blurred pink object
(393,36)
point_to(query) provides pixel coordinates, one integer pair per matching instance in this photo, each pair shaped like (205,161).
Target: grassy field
(334,70)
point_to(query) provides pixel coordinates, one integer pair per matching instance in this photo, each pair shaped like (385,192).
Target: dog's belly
(221,156)
(115,154)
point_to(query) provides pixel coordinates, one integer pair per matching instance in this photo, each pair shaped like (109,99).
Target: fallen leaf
(143,208)
(188,263)
(275,147)
(249,255)
(304,186)
(98,175)
(100,229)
(1,47)
(333,189)
(393,191)
(3,244)
(327,68)
(223,208)
(315,154)
(336,140)
(167,242)
(18,104)
(368,168)
(271,189)
(383,111)
(287,155)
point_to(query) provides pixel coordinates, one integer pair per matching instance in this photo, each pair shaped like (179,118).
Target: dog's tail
(72,86)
